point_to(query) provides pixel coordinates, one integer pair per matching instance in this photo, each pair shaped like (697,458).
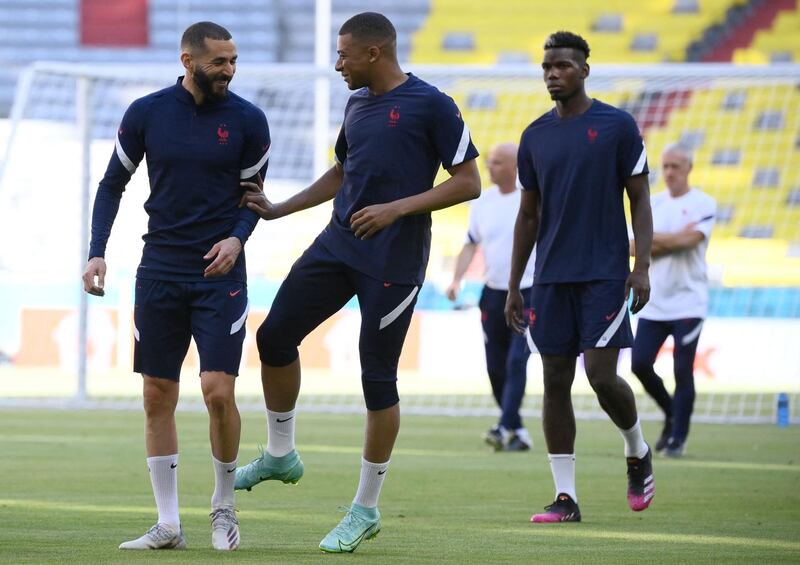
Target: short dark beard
(206,86)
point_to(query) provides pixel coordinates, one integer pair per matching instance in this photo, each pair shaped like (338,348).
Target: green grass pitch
(75,485)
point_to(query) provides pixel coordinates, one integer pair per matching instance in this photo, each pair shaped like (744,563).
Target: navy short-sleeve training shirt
(579,166)
(196,157)
(391,146)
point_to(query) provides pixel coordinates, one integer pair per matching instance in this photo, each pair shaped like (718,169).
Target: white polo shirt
(678,280)
(491,225)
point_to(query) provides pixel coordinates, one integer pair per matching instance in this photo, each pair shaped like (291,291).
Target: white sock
(164,478)
(280,432)
(562,465)
(635,445)
(224,477)
(369,486)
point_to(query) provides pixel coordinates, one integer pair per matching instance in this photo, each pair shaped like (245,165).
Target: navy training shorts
(568,318)
(168,314)
(319,285)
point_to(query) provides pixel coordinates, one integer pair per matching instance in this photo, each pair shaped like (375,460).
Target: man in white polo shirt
(682,221)
(491,226)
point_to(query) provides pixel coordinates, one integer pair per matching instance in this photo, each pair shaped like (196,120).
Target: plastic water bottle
(783,410)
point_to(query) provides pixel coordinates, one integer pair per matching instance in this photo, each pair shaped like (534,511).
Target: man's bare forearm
(463,185)
(321,190)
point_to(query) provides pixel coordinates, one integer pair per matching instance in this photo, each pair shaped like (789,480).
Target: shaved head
(502,165)
(506,150)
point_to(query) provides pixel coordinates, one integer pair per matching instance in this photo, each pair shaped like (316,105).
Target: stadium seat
(617,30)
(780,43)
(741,137)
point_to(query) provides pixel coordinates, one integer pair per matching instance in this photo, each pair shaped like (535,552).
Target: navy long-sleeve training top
(196,157)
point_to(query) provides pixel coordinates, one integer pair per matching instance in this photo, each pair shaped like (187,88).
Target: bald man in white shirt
(491,227)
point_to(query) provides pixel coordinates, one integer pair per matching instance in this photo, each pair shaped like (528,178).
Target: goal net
(56,345)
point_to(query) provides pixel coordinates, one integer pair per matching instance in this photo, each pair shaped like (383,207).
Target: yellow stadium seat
(517,26)
(763,125)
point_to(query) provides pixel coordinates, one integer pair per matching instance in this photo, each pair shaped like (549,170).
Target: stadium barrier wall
(444,348)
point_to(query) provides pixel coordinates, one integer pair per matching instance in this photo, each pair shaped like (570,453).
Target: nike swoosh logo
(235,293)
(382,472)
(173,465)
(610,316)
(282,421)
(231,470)
(354,543)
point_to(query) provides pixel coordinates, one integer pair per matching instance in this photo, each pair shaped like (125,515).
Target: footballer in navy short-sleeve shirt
(391,146)
(579,166)
(397,132)
(575,164)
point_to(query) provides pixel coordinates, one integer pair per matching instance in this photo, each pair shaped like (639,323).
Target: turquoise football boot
(288,469)
(358,524)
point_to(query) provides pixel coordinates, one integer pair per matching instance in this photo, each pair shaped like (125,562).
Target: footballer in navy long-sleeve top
(202,143)
(196,156)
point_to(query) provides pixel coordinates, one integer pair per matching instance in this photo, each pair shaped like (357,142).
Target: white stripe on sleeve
(251,171)
(461,152)
(639,168)
(123,157)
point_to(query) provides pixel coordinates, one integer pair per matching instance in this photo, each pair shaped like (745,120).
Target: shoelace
(349,519)
(554,504)
(224,515)
(159,532)
(260,454)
